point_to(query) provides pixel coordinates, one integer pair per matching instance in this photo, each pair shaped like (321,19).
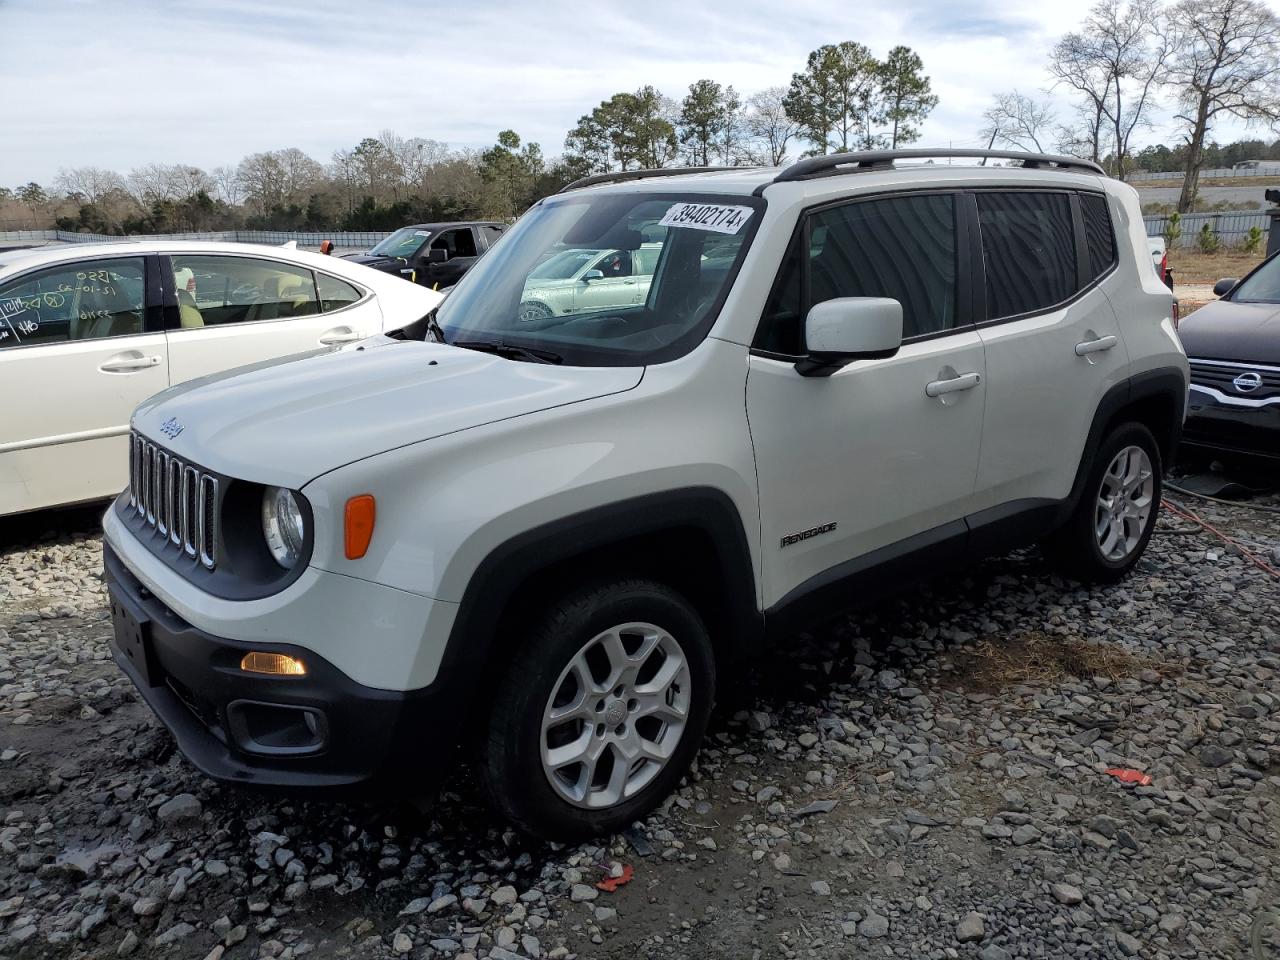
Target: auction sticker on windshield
(706,216)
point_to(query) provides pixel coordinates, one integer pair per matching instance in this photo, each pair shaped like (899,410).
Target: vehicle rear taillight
(1164,267)
(1176,314)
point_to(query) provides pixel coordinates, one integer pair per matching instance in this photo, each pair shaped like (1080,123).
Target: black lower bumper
(1232,428)
(318,730)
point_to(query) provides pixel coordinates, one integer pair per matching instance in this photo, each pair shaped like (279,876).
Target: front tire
(1109,530)
(600,711)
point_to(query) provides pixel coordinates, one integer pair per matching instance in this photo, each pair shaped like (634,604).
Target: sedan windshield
(604,279)
(403,243)
(1262,287)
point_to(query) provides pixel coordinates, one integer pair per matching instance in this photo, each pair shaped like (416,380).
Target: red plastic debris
(1127,775)
(610,884)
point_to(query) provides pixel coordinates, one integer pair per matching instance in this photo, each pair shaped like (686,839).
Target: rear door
(81,345)
(1052,339)
(225,311)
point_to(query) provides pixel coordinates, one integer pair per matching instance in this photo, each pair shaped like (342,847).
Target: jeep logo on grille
(1247,382)
(172,427)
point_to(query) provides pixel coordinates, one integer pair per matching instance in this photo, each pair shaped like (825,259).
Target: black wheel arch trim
(506,568)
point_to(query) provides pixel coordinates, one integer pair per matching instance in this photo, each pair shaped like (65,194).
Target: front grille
(175,498)
(1221,376)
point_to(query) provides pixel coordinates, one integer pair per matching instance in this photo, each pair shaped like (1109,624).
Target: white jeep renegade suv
(544,536)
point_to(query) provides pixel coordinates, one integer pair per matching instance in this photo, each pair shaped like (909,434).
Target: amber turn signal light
(276,664)
(357,525)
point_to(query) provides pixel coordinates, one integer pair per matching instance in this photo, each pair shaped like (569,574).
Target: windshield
(403,243)
(606,279)
(1263,286)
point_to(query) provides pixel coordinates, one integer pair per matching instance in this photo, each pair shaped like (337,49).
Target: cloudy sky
(123,83)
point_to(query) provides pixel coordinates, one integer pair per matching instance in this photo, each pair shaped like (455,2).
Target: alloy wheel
(616,715)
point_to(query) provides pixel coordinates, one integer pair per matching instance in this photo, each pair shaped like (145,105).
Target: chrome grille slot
(208,501)
(178,500)
(162,492)
(190,511)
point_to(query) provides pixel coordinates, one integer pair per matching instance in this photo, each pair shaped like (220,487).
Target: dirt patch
(1038,659)
(1193,268)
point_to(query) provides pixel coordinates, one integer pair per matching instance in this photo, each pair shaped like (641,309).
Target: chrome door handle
(123,364)
(336,336)
(1095,346)
(966,381)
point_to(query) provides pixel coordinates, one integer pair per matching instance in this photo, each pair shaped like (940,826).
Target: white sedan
(87,332)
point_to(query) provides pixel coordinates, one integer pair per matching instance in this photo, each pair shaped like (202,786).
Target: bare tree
(1224,63)
(1115,63)
(92,183)
(769,125)
(226,182)
(1017,120)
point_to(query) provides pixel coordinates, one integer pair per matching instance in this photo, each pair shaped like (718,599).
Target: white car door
(78,351)
(249,308)
(884,450)
(1052,339)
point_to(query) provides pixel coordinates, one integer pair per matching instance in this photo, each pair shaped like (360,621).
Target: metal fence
(1231,228)
(342,241)
(1264,169)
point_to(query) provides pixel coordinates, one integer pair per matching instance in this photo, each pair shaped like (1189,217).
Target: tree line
(844,98)
(1208,60)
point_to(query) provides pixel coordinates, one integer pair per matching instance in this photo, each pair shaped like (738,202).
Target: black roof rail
(831,165)
(622,176)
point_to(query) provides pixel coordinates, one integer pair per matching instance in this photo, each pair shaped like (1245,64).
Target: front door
(883,451)
(459,245)
(78,351)
(234,310)
(616,286)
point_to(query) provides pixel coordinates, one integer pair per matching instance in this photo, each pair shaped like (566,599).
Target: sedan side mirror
(592,275)
(1224,286)
(846,329)
(437,255)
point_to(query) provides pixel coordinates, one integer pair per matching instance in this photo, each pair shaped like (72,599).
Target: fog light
(276,664)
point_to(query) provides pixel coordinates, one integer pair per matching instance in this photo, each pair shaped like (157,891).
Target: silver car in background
(582,280)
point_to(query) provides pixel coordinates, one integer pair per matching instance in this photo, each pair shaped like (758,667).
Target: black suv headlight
(283,526)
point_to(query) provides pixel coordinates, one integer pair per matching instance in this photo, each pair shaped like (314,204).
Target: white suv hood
(287,422)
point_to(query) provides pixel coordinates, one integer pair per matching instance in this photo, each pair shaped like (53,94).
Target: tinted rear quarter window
(1028,246)
(1099,237)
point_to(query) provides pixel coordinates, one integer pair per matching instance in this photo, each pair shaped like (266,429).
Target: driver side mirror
(592,275)
(1224,286)
(846,329)
(437,255)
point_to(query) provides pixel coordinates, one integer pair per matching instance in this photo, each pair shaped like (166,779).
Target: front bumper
(1218,422)
(319,730)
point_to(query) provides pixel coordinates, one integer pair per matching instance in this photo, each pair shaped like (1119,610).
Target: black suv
(433,254)
(1234,348)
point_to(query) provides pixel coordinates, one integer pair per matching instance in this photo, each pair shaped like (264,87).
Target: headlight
(283,525)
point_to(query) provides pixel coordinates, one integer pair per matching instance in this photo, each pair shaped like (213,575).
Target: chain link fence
(343,241)
(1264,169)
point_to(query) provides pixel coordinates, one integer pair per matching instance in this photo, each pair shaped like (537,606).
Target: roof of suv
(852,172)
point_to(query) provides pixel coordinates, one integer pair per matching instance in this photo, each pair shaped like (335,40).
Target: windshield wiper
(510,351)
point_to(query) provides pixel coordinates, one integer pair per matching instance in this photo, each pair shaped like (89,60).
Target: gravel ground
(923,780)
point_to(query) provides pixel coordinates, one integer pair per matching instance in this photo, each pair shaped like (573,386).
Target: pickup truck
(435,255)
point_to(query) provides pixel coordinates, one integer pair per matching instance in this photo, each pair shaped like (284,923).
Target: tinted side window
(459,243)
(214,290)
(1028,245)
(85,300)
(1099,237)
(334,293)
(903,248)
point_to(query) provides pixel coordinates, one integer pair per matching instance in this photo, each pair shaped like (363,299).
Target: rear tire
(599,712)
(1106,534)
